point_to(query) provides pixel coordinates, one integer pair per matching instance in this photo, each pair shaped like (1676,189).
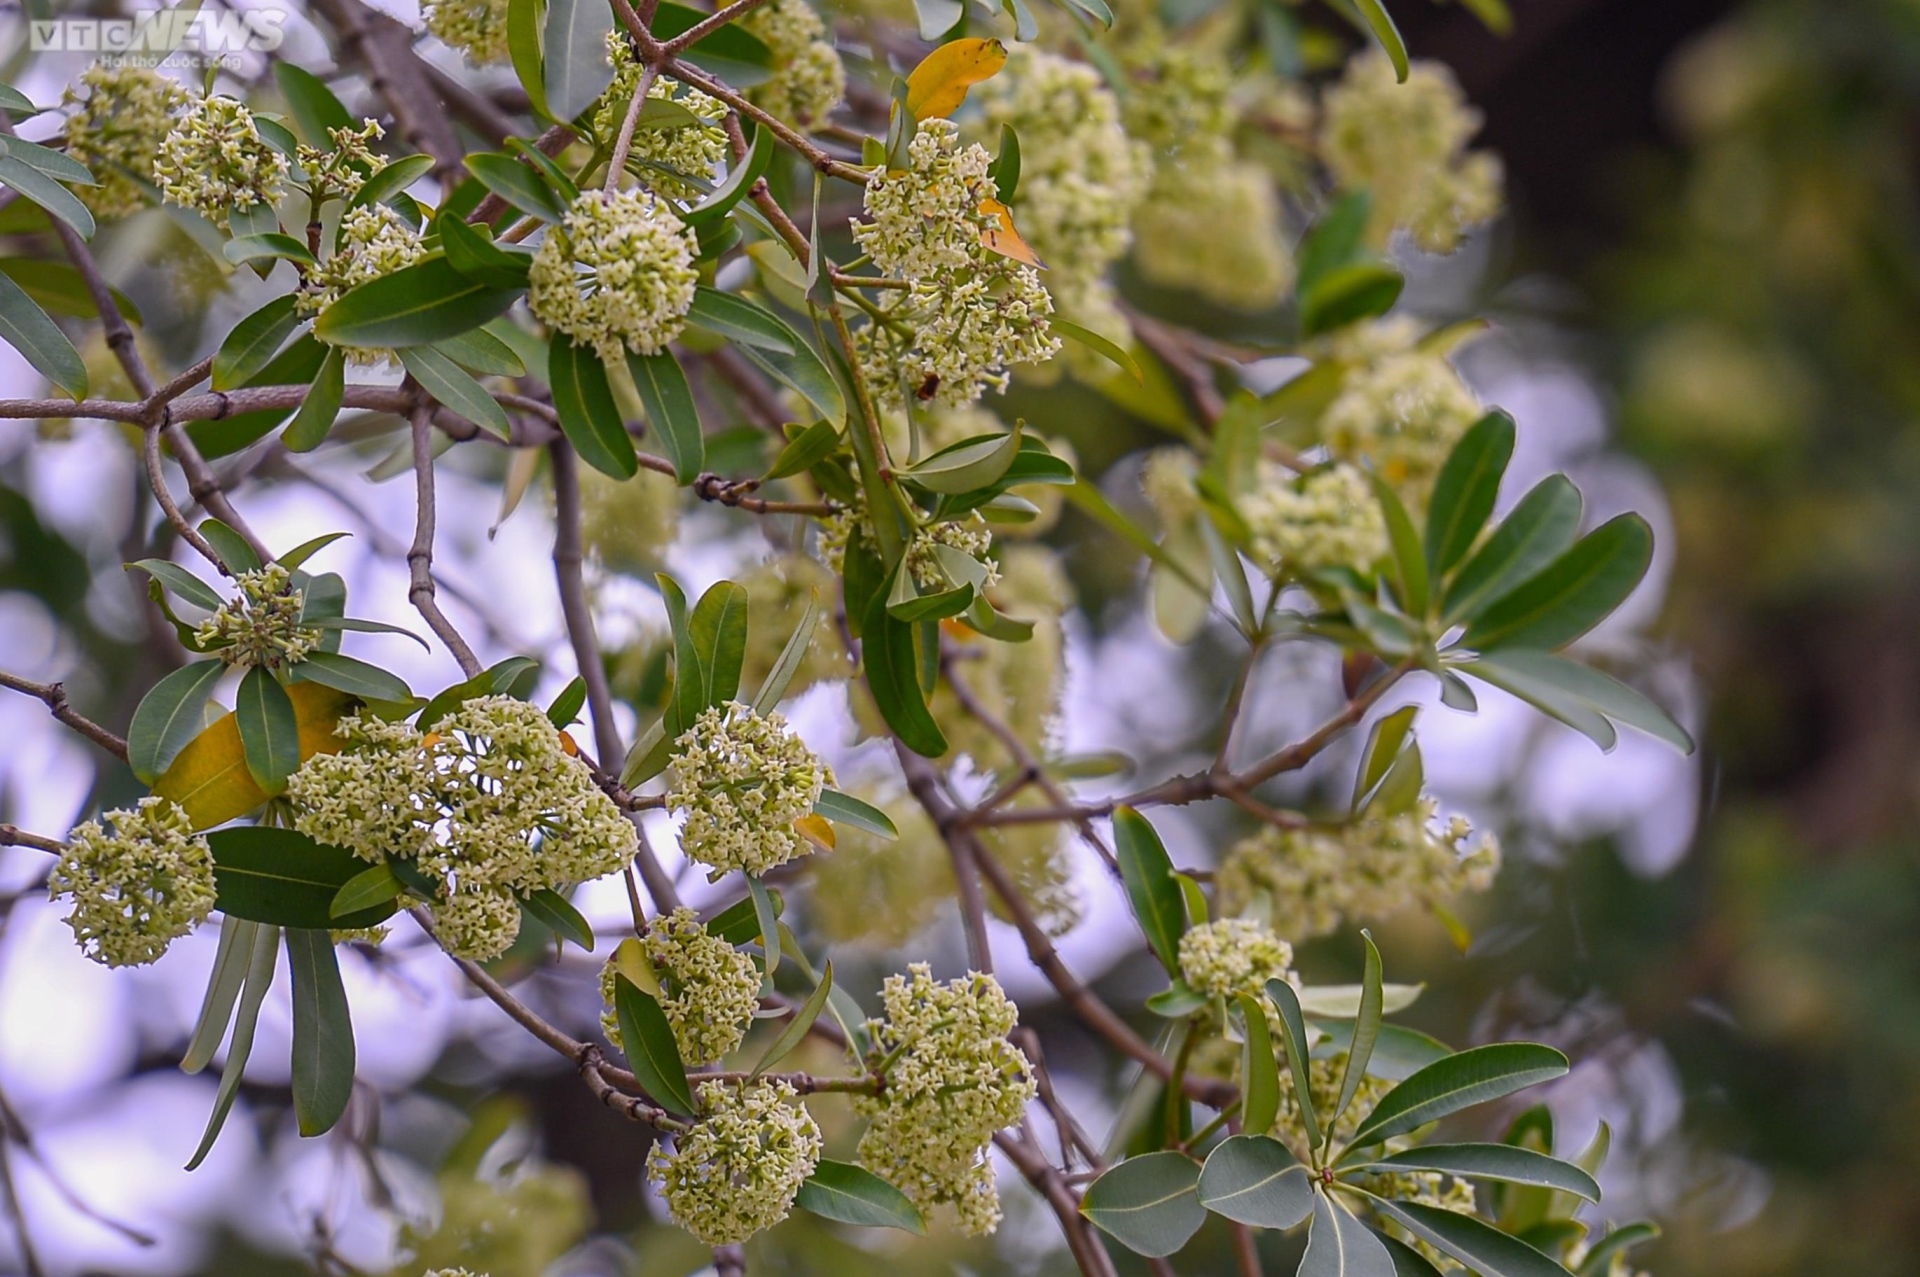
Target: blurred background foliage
(1714,218)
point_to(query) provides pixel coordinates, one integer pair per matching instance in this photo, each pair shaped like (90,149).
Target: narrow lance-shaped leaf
(259,978)
(1260,1072)
(558,913)
(254,342)
(1158,903)
(1502,1162)
(368,889)
(589,416)
(650,1047)
(767,920)
(845,809)
(800,1025)
(671,411)
(1409,559)
(1533,533)
(230,964)
(718,629)
(269,731)
(774,686)
(1481,1248)
(29,330)
(1572,594)
(1464,494)
(314,420)
(323,1056)
(1339,1245)
(1366,1030)
(356,678)
(1459,1081)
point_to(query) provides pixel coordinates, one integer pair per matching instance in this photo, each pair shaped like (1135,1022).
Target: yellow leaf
(815,830)
(630,960)
(939,84)
(1002,238)
(209,778)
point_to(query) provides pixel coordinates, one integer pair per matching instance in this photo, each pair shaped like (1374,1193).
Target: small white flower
(808,79)
(671,155)
(1401,414)
(1329,518)
(737,1171)
(127,112)
(710,989)
(617,274)
(215,162)
(478,28)
(743,778)
(137,886)
(1229,956)
(261,626)
(374,242)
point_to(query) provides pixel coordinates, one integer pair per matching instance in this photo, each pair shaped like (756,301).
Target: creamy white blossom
(709,989)
(667,157)
(1230,956)
(374,242)
(737,1171)
(1400,414)
(478,28)
(616,274)
(1325,519)
(262,625)
(808,79)
(952,1079)
(138,882)
(1304,882)
(116,131)
(215,162)
(743,778)
(1405,145)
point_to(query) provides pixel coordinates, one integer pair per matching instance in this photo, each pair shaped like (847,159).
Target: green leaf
(169,716)
(1554,680)
(255,219)
(1501,1162)
(804,373)
(739,922)
(1530,537)
(1158,903)
(1384,743)
(274,246)
(738,183)
(1366,1031)
(61,289)
(558,913)
(774,686)
(566,706)
(1338,1245)
(1149,1204)
(518,183)
(887,651)
(1408,1262)
(268,730)
(314,420)
(1380,22)
(390,181)
(718,629)
(259,978)
(1404,783)
(474,255)
(47,193)
(455,387)
(738,319)
(767,920)
(671,412)
(27,328)
(368,889)
(315,108)
(1484,1249)
(1459,1081)
(483,354)
(1464,494)
(1005,170)
(181,582)
(1348,295)
(845,809)
(15,102)
(651,1048)
(802,1022)
(361,625)
(852,1194)
(496,680)
(730,52)
(577,71)
(1177,1001)
(1546,695)
(1398,1053)
(1572,594)
(525,19)
(283,877)
(811,445)
(967,465)
(1281,994)
(589,417)
(323,1055)
(1342,1001)
(223,987)
(1338,239)
(1255,1179)
(1600,1258)
(253,343)
(55,164)
(426,302)
(1111,351)
(1409,560)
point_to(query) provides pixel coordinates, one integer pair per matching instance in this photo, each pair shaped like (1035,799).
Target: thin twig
(55,696)
(420,554)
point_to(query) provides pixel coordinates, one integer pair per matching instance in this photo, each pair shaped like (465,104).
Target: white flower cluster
(617,274)
(374,242)
(669,155)
(1081,176)
(1210,221)
(808,80)
(968,534)
(489,803)
(127,111)
(1405,145)
(737,1171)
(215,162)
(340,172)
(970,313)
(743,778)
(1401,413)
(1230,956)
(1328,518)
(478,28)
(1304,882)
(711,989)
(137,888)
(262,625)
(952,1079)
